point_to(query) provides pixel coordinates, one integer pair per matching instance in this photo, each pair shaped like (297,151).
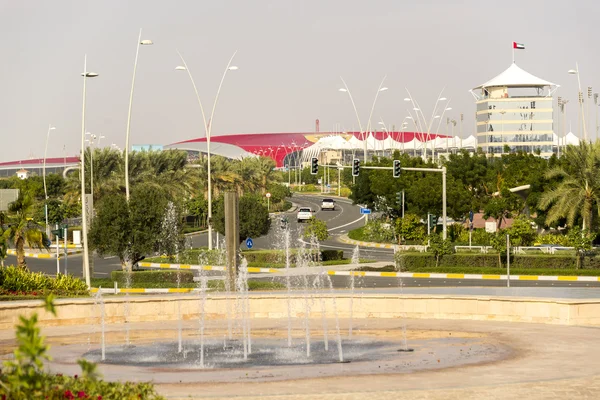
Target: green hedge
(421,261)
(153,277)
(331,255)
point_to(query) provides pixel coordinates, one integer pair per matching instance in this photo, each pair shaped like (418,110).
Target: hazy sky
(290,57)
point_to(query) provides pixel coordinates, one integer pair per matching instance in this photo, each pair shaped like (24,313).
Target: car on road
(304,214)
(328,204)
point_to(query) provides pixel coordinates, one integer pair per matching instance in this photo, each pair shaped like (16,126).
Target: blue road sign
(470,216)
(365,211)
(249,243)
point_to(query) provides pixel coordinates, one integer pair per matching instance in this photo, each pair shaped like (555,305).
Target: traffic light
(355,167)
(399,198)
(432,221)
(397,169)
(314,166)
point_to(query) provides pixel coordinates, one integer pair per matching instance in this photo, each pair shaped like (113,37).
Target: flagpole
(513,52)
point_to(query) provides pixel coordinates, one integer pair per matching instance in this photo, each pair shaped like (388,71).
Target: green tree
(316,228)
(521,232)
(253,216)
(129,230)
(22,229)
(581,241)
(410,228)
(438,247)
(498,243)
(578,190)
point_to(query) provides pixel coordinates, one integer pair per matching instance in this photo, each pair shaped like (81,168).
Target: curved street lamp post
(208,129)
(86,260)
(50,128)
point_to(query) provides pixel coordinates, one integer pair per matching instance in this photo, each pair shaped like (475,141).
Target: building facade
(515,113)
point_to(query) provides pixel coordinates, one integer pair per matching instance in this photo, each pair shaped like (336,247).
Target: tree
(580,241)
(253,216)
(129,230)
(578,189)
(410,228)
(316,228)
(498,243)
(22,229)
(439,247)
(521,232)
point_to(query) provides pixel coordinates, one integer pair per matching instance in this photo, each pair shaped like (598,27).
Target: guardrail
(482,249)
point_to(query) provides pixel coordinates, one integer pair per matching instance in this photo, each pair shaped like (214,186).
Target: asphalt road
(344,218)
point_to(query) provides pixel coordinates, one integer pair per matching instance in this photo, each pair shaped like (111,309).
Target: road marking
(417,275)
(349,223)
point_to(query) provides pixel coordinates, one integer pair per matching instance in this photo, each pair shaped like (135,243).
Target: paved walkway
(543,362)
(548,362)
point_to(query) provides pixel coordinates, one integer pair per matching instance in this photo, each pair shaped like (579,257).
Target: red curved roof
(40,161)
(278,145)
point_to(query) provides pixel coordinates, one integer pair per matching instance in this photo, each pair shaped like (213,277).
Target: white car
(328,204)
(304,214)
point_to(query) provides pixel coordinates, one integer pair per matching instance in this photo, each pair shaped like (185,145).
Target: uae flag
(520,46)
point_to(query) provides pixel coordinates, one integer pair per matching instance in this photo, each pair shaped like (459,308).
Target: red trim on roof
(40,161)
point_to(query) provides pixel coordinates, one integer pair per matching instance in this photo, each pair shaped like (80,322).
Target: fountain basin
(148,308)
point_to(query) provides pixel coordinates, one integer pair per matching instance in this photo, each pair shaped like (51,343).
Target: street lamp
(86,261)
(50,128)
(137,51)
(580,95)
(380,89)
(208,129)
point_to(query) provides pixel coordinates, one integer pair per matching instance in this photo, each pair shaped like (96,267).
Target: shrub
(14,279)
(24,378)
(410,228)
(424,261)
(345,192)
(378,231)
(153,277)
(316,228)
(330,255)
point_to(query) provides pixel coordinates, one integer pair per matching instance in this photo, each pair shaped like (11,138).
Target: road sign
(365,211)
(470,216)
(268,195)
(249,243)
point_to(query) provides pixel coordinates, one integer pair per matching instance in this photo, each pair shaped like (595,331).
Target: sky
(290,55)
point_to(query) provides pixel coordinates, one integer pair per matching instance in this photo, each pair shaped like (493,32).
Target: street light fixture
(86,261)
(208,129)
(50,128)
(380,89)
(576,72)
(144,42)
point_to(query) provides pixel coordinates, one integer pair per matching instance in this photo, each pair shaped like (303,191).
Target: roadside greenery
(15,281)
(24,377)
(316,229)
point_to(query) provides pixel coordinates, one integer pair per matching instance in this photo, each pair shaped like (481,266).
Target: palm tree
(578,191)
(22,229)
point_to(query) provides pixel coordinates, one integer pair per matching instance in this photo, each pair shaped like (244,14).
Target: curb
(119,290)
(44,255)
(347,240)
(415,275)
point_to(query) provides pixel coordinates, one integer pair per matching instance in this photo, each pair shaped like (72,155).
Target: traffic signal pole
(444,176)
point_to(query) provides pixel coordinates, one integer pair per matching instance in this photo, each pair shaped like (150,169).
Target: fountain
(257,336)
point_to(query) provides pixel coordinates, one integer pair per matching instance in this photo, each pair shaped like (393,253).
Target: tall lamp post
(137,51)
(86,261)
(50,128)
(208,129)
(364,134)
(580,96)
